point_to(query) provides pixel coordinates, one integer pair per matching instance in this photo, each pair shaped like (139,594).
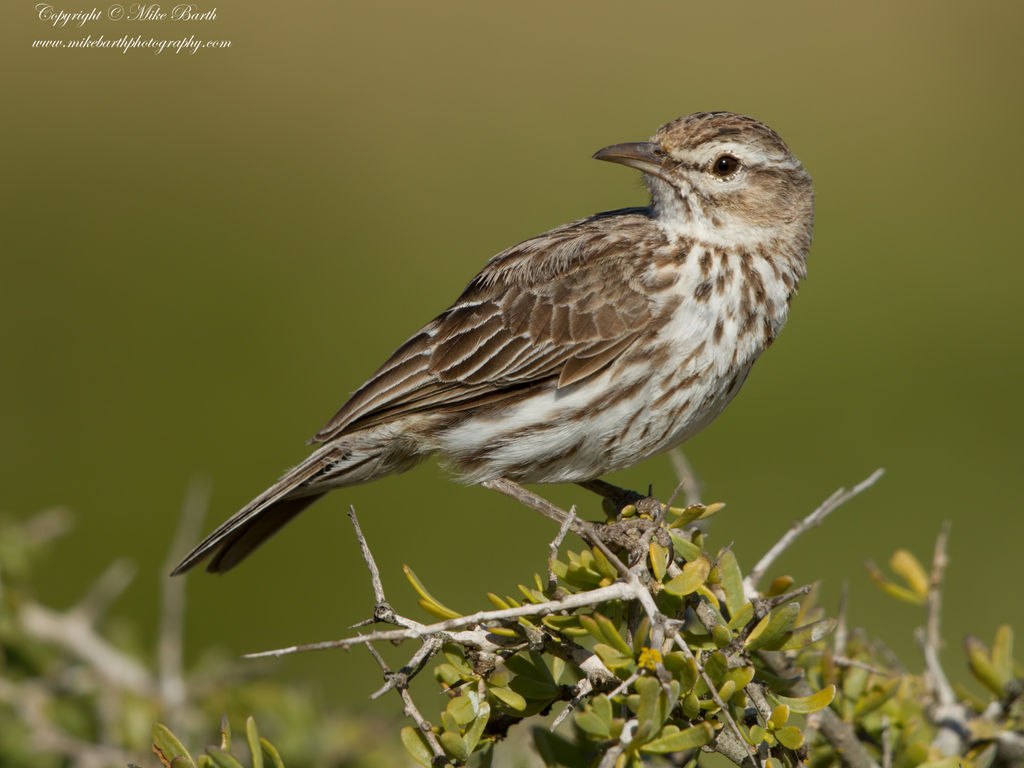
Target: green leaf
(604,566)
(222,758)
(462,709)
(732,582)
(557,751)
(727,691)
(642,636)
(659,560)
(772,629)
(693,576)
(651,712)
(559,568)
(448,674)
(602,707)
(534,689)
(429,603)
(805,705)
(252,736)
(876,697)
(716,665)
(476,730)
(683,669)
(742,617)
(1002,653)
(691,705)
(497,602)
(508,697)
(270,754)
(611,634)
(982,667)
(169,750)
(691,738)
(693,513)
(590,722)
(454,745)
(415,744)
(741,676)
(808,635)
(790,737)
(721,635)
(684,548)
(569,625)
(904,564)
(779,716)
(780,585)
(893,590)
(614,660)
(532,666)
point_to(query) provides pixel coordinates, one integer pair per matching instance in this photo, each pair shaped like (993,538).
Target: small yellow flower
(650,658)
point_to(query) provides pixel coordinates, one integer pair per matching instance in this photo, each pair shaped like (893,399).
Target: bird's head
(722,177)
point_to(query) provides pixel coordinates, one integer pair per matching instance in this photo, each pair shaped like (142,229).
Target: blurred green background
(202,255)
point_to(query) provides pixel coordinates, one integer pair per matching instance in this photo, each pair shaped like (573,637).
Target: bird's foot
(622,502)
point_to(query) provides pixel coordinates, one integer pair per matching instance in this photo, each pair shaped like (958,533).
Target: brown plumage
(588,348)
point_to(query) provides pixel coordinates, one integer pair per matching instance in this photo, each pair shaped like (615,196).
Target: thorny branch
(477,630)
(830,504)
(947,713)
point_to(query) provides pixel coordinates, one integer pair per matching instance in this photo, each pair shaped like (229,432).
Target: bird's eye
(725,166)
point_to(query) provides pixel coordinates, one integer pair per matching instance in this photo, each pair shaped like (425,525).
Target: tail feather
(359,458)
(254,523)
(238,545)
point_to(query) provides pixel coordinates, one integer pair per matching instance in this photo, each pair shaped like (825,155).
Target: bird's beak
(645,156)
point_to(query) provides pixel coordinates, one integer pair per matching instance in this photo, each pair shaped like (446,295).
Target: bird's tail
(360,458)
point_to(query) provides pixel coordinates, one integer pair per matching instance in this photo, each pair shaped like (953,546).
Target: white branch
(169,649)
(834,501)
(75,633)
(617,591)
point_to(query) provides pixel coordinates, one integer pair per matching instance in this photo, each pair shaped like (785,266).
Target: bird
(586,349)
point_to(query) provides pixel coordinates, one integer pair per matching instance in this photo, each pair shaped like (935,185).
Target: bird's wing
(550,311)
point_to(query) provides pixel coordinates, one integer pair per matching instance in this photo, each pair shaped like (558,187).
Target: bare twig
(49,524)
(411,710)
(886,743)
(687,477)
(431,645)
(110,585)
(842,633)
(74,632)
(933,638)
(170,662)
(371,564)
(529,499)
(834,501)
(617,591)
(949,716)
(583,689)
(553,548)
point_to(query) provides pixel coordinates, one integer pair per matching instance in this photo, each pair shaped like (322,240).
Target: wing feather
(551,311)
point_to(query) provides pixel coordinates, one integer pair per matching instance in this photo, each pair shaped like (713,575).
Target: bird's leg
(619,497)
